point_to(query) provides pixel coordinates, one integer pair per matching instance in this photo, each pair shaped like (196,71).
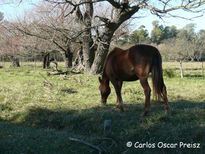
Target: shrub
(170,73)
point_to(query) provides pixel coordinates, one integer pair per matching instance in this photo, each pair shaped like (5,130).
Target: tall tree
(139,36)
(50,26)
(10,43)
(170,32)
(85,20)
(157,33)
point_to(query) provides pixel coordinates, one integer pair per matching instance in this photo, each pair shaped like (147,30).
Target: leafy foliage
(139,36)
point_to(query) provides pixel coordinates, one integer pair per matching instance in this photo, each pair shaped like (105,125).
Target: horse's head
(104,90)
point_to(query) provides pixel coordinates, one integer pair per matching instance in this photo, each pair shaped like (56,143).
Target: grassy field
(39,116)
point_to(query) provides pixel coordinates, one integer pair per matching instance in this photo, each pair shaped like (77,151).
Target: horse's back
(143,52)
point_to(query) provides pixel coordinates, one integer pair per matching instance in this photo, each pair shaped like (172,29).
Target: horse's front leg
(118,86)
(147,92)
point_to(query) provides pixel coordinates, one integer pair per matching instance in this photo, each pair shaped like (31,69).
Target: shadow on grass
(190,69)
(184,124)
(68,90)
(194,76)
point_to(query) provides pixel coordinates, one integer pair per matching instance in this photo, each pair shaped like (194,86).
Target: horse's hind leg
(118,87)
(119,83)
(164,95)
(147,92)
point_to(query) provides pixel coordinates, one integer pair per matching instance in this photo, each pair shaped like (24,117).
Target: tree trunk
(202,67)
(103,49)
(87,52)
(67,57)
(85,21)
(78,62)
(34,64)
(181,69)
(15,62)
(46,60)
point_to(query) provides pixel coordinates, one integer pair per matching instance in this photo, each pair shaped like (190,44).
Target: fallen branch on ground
(57,73)
(86,143)
(46,82)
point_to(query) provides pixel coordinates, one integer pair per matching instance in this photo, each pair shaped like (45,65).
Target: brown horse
(130,65)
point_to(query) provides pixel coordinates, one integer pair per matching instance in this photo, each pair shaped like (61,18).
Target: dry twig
(46,82)
(86,143)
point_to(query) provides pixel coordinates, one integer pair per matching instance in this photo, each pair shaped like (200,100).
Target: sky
(11,12)
(169,21)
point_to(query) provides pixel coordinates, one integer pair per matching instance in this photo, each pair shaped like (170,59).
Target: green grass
(37,117)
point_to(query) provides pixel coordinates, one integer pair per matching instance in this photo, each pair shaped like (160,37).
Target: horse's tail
(157,76)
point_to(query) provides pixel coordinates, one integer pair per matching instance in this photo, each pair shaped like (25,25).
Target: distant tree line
(174,44)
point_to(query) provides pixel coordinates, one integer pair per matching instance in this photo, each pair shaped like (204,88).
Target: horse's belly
(132,78)
(126,77)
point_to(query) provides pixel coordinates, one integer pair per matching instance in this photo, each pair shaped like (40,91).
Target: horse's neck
(105,78)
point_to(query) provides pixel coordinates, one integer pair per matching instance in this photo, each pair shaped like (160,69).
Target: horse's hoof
(167,111)
(103,103)
(143,114)
(121,109)
(141,117)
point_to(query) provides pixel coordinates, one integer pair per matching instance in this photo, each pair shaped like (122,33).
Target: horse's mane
(110,54)
(116,49)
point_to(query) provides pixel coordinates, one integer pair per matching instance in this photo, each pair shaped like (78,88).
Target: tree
(170,32)
(85,20)
(10,43)
(157,33)
(201,36)
(187,45)
(187,32)
(139,36)
(175,49)
(160,33)
(201,46)
(51,26)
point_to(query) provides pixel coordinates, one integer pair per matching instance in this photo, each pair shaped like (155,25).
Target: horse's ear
(99,78)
